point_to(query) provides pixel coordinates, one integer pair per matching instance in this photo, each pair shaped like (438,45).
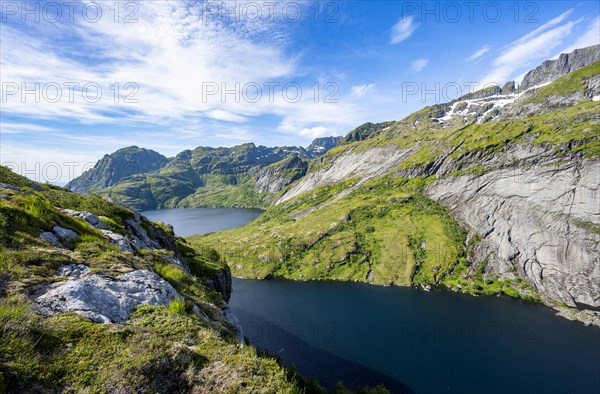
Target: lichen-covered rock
(103,300)
(73,271)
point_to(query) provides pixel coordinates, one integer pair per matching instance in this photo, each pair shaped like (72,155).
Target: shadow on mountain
(326,367)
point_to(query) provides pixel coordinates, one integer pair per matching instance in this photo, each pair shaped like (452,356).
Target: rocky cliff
(551,70)
(275,177)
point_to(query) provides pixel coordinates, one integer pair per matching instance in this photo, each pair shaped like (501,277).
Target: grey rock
(233,323)
(105,300)
(531,223)
(143,241)
(117,239)
(275,177)
(222,283)
(566,63)
(509,88)
(51,238)
(73,270)
(65,233)
(90,218)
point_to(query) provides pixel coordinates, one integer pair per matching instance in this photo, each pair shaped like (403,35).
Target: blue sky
(155,71)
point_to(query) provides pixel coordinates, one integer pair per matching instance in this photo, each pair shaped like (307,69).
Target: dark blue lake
(410,340)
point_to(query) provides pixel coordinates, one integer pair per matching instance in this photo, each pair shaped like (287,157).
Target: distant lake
(410,340)
(190,221)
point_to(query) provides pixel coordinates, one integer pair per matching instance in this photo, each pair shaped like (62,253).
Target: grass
(176,307)
(159,349)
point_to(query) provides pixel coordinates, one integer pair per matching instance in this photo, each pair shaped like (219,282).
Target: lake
(190,221)
(410,340)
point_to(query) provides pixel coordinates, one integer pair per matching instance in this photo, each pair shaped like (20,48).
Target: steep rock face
(535,221)
(116,166)
(222,283)
(364,165)
(566,62)
(101,299)
(275,177)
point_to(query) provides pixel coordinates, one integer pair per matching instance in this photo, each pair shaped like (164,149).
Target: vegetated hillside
(118,165)
(69,263)
(202,177)
(494,193)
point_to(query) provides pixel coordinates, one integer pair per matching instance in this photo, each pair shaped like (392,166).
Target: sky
(80,79)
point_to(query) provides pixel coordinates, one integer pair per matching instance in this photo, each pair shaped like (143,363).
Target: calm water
(190,221)
(410,340)
(417,341)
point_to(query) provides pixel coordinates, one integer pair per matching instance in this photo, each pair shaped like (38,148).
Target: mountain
(119,165)
(96,298)
(495,192)
(201,177)
(322,145)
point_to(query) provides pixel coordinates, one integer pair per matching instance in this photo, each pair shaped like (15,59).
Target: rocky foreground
(95,298)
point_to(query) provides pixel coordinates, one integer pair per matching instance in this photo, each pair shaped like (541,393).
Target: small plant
(177,307)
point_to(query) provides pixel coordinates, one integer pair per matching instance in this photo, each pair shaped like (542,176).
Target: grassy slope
(158,350)
(386,231)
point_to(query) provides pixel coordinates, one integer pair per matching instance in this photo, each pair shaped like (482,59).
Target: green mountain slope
(433,199)
(116,166)
(194,178)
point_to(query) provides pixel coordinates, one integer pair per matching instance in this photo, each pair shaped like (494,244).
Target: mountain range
(494,192)
(204,176)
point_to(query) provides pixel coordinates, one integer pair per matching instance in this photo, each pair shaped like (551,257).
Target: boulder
(65,233)
(51,238)
(100,299)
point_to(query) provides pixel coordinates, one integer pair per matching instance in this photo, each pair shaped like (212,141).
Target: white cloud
(173,56)
(220,114)
(314,132)
(403,29)
(479,53)
(361,90)
(589,38)
(418,65)
(22,128)
(528,50)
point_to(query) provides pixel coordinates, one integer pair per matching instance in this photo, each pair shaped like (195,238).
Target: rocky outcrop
(566,63)
(535,221)
(101,299)
(221,282)
(364,165)
(322,145)
(90,218)
(277,176)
